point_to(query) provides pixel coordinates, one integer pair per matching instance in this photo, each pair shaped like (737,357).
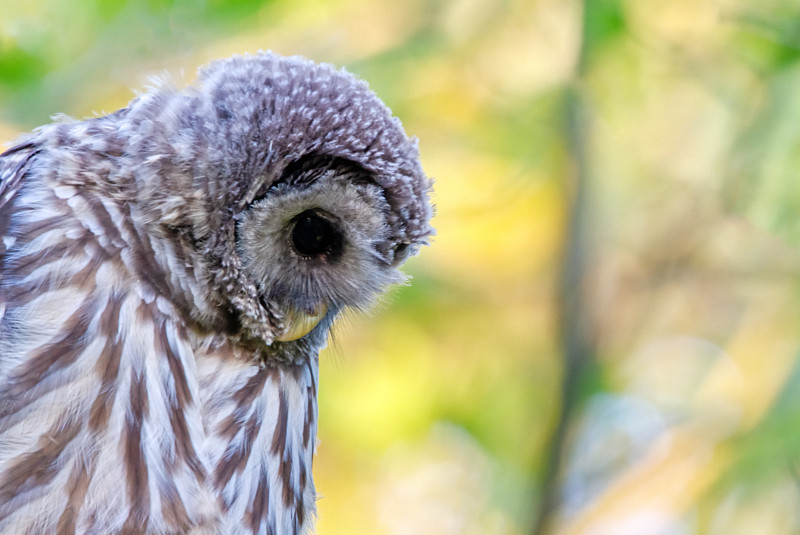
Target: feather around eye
(350,272)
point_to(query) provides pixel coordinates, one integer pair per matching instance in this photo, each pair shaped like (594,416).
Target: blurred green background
(603,337)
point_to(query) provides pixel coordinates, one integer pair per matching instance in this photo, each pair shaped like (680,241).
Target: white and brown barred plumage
(155,266)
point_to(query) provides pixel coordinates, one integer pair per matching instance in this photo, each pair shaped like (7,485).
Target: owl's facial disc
(311,249)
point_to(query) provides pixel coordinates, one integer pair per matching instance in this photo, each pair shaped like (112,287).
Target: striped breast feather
(261,436)
(99,426)
(99,431)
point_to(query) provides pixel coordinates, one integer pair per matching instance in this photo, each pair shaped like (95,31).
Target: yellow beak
(299,322)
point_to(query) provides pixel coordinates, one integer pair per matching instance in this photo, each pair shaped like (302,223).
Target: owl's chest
(163,440)
(259,426)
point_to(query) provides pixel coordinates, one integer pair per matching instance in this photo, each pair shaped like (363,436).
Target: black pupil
(312,235)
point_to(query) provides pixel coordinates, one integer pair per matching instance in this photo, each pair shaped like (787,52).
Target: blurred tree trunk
(574,316)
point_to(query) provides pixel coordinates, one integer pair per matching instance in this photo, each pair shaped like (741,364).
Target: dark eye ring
(313,235)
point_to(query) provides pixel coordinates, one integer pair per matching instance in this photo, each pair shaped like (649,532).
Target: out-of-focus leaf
(772,37)
(769,450)
(604,20)
(19,67)
(108,9)
(763,181)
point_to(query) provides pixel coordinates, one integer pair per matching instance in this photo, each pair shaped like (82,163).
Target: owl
(168,276)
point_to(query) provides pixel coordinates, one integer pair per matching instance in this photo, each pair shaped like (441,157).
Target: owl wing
(99,426)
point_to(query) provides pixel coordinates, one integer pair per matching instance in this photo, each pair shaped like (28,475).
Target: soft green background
(617,212)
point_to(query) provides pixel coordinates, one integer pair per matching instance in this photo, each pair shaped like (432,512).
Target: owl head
(285,188)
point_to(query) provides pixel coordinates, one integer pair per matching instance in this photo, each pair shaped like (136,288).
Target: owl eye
(313,235)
